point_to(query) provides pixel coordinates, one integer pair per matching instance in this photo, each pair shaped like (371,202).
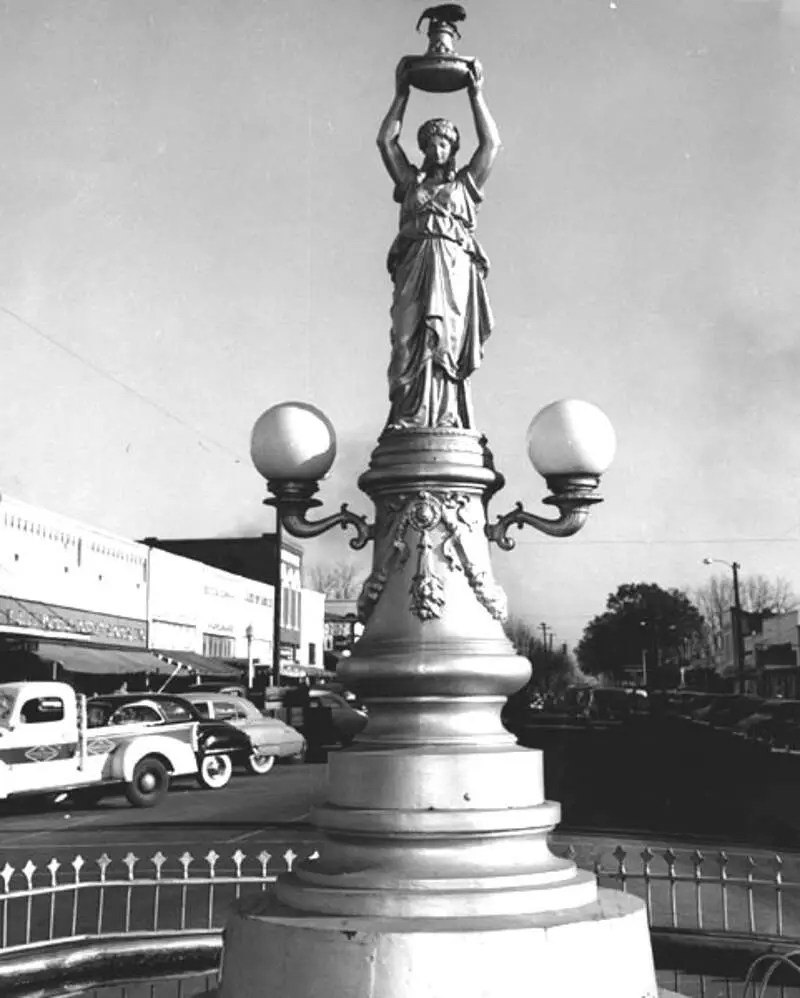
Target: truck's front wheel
(150,782)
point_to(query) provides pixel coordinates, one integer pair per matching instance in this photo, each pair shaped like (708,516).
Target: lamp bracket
(574,495)
(292,501)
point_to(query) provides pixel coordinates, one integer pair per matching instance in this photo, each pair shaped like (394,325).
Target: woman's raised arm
(489,145)
(394,159)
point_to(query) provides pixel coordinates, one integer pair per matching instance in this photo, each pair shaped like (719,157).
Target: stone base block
(601,950)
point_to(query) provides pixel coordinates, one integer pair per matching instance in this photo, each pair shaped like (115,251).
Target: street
(252,812)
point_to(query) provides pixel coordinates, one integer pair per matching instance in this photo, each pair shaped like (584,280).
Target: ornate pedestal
(435,877)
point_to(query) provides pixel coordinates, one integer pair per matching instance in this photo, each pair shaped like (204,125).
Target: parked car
(616,703)
(725,713)
(218,742)
(776,723)
(684,703)
(325,719)
(270,738)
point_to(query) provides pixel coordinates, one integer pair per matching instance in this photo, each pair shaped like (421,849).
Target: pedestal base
(601,950)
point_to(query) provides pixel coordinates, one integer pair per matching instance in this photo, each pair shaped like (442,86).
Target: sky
(194,222)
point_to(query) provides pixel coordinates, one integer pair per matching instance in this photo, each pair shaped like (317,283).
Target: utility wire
(675,541)
(202,439)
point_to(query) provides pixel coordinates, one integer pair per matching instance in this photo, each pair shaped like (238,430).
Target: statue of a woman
(440,311)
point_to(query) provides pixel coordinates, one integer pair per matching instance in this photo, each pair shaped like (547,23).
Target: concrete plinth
(598,951)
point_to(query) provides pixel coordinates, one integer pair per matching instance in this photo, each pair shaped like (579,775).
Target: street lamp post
(434,875)
(738,636)
(248,633)
(643,623)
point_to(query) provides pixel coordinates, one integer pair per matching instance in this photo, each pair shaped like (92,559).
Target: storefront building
(254,558)
(85,601)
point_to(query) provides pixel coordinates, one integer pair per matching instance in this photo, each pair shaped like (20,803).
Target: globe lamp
(293,441)
(571,437)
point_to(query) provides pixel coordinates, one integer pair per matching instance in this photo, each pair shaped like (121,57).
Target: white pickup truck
(46,747)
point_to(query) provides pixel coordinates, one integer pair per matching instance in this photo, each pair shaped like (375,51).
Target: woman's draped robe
(440,311)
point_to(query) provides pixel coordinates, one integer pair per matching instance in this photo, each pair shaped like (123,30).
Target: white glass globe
(293,441)
(571,437)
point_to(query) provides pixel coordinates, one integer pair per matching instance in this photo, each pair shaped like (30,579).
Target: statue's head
(439,141)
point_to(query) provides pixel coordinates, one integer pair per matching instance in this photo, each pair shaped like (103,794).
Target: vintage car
(218,743)
(270,738)
(48,749)
(326,720)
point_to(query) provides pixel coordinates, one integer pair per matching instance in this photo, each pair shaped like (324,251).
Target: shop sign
(100,627)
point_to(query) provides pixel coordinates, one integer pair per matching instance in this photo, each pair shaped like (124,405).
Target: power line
(675,541)
(202,438)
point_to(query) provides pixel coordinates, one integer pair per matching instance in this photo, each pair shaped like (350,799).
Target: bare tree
(758,595)
(553,671)
(341,580)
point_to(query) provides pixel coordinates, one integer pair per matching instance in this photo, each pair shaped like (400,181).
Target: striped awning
(201,665)
(112,661)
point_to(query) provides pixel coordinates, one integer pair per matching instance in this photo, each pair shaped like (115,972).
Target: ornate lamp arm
(292,501)
(573,494)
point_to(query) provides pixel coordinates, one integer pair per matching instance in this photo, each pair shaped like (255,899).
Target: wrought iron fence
(129,894)
(711,915)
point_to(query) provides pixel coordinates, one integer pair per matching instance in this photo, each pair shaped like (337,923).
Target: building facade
(771,653)
(85,600)
(253,558)
(62,581)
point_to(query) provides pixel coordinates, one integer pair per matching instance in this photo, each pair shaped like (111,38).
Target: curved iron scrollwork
(573,495)
(295,522)
(293,500)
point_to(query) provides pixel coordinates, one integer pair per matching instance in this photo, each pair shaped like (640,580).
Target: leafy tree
(758,594)
(341,580)
(641,618)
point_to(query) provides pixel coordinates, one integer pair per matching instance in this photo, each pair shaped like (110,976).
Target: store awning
(116,661)
(201,665)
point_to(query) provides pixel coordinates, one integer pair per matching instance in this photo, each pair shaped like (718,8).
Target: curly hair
(438,127)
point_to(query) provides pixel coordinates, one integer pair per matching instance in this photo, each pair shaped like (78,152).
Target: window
(247,711)
(202,708)
(216,646)
(97,715)
(138,713)
(42,710)
(224,711)
(285,609)
(176,712)
(6,706)
(312,653)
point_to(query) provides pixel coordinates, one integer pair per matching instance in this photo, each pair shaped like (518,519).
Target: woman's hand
(401,84)
(475,83)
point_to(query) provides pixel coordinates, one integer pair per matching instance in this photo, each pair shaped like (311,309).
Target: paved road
(252,812)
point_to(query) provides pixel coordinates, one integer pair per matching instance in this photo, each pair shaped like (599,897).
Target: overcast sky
(194,225)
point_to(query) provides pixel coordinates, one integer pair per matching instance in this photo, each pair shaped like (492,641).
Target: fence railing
(129,894)
(711,914)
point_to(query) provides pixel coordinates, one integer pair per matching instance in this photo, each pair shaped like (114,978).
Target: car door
(41,749)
